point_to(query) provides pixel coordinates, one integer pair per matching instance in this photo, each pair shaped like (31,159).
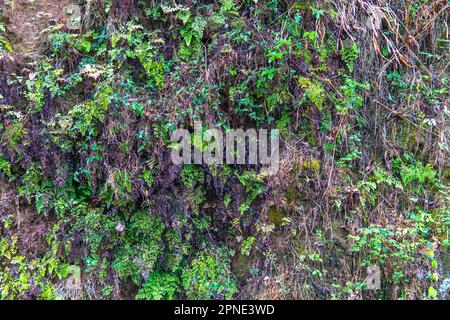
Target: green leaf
(198,26)
(432,293)
(434,264)
(86,46)
(184,16)
(435,277)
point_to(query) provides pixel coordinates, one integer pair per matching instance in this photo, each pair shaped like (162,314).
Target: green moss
(312,165)
(306,129)
(299,247)
(276,216)
(314,91)
(291,194)
(408,136)
(241,266)
(15,134)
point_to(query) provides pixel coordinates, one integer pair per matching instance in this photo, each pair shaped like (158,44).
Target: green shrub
(208,277)
(5,167)
(192,176)
(159,286)
(314,91)
(141,248)
(349,55)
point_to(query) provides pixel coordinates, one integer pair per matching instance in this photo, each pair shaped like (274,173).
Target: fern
(194,29)
(198,26)
(159,286)
(314,91)
(5,167)
(172,9)
(153,68)
(209,276)
(349,55)
(184,16)
(227,6)
(4,44)
(86,114)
